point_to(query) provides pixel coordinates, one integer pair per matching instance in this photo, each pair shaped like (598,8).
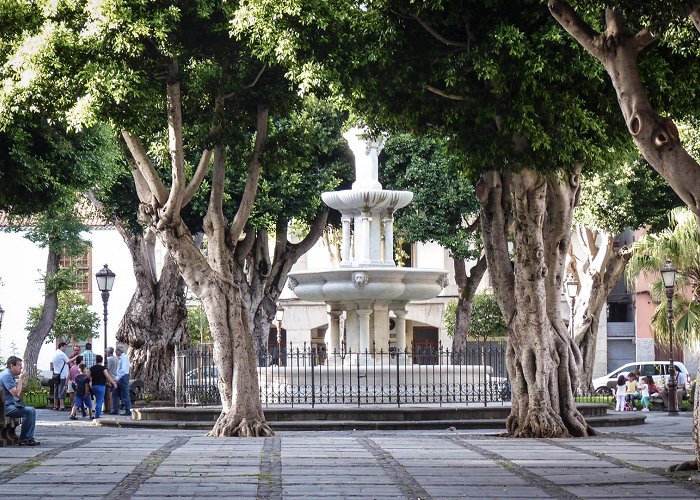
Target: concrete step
(353,414)
(610,420)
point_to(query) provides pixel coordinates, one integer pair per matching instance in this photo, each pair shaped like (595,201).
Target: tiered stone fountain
(367,285)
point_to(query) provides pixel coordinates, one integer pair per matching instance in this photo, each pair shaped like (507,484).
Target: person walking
(59,367)
(99,374)
(13,406)
(122,378)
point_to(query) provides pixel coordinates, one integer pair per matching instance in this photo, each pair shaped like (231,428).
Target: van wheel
(603,391)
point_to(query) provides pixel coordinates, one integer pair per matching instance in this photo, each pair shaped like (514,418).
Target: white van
(657,369)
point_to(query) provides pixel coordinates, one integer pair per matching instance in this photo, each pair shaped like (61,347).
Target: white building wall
(22,265)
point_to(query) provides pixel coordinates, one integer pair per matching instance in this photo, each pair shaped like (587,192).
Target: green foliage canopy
(74,319)
(444,203)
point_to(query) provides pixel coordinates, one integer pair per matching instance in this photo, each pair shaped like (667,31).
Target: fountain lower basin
(368,283)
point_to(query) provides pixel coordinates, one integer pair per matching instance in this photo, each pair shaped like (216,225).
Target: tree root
(230,427)
(690,465)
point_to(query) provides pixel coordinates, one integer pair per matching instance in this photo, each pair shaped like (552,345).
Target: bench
(656,402)
(8,425)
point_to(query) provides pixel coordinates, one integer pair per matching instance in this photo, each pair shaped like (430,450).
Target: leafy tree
(680,242)
(487,320)
(520,108)
(444,209)
(125,63)
(643,46)
(197,325)
(74,320)
(625,195)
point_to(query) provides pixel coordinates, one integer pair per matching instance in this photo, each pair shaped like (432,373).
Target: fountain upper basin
(368,283)
(352,200)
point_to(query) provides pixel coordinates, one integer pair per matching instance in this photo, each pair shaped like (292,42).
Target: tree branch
(197,177)
(695,18)
(442,93)
(438,36)
(575,26)
(313,235)
(146,169)
(250,85)
(171,210)
(254,167)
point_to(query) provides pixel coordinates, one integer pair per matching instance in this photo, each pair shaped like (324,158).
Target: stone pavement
(84,460)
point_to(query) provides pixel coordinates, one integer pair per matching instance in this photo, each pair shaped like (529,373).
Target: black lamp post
(571,291)
(668,274)
(2,313)
(105,281)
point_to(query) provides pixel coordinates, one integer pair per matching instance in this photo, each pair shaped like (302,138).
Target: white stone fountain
(367,285)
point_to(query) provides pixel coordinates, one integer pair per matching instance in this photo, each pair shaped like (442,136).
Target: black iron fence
(309,376)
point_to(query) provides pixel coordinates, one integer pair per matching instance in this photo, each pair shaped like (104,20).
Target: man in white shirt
(59,366)
(122,378)
(681,388)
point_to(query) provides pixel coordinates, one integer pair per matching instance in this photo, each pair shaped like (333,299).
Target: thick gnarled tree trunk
(597,266)
(155,322)
(210,277)
(37,335)
(655,136)
(543,361)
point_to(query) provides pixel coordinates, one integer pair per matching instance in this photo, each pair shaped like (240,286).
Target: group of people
(634,387)
(83,375)
(86,376)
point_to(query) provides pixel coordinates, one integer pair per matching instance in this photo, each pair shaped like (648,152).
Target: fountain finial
(366,151)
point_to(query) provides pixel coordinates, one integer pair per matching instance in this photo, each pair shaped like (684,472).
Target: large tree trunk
(212,277)
(466,286)
(263,282)
(597,266)
(543,361)
(37,335)
(155,322)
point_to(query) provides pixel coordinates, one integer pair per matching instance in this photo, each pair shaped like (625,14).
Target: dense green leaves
(444,204)
(680,242)
(500,81)
(74,319)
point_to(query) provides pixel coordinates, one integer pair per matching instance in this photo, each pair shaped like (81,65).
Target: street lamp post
(279,316)
(571,291)
(105,281)
(668,274)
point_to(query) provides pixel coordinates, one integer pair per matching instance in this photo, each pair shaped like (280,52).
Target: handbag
(56,377)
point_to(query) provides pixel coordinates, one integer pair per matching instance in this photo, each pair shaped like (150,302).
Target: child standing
(644,391)
(631,392)
(82,392)
(620,393)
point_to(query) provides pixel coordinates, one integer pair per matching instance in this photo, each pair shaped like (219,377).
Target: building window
(83,267)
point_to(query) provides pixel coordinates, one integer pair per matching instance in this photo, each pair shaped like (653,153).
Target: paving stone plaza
(87,461)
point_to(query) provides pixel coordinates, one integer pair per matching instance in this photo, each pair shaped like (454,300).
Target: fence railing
(305,376)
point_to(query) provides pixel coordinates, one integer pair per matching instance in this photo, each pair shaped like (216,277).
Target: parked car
(208,376)
(657,369)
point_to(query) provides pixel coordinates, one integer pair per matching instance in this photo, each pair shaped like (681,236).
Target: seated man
(681,388)
(13,406)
